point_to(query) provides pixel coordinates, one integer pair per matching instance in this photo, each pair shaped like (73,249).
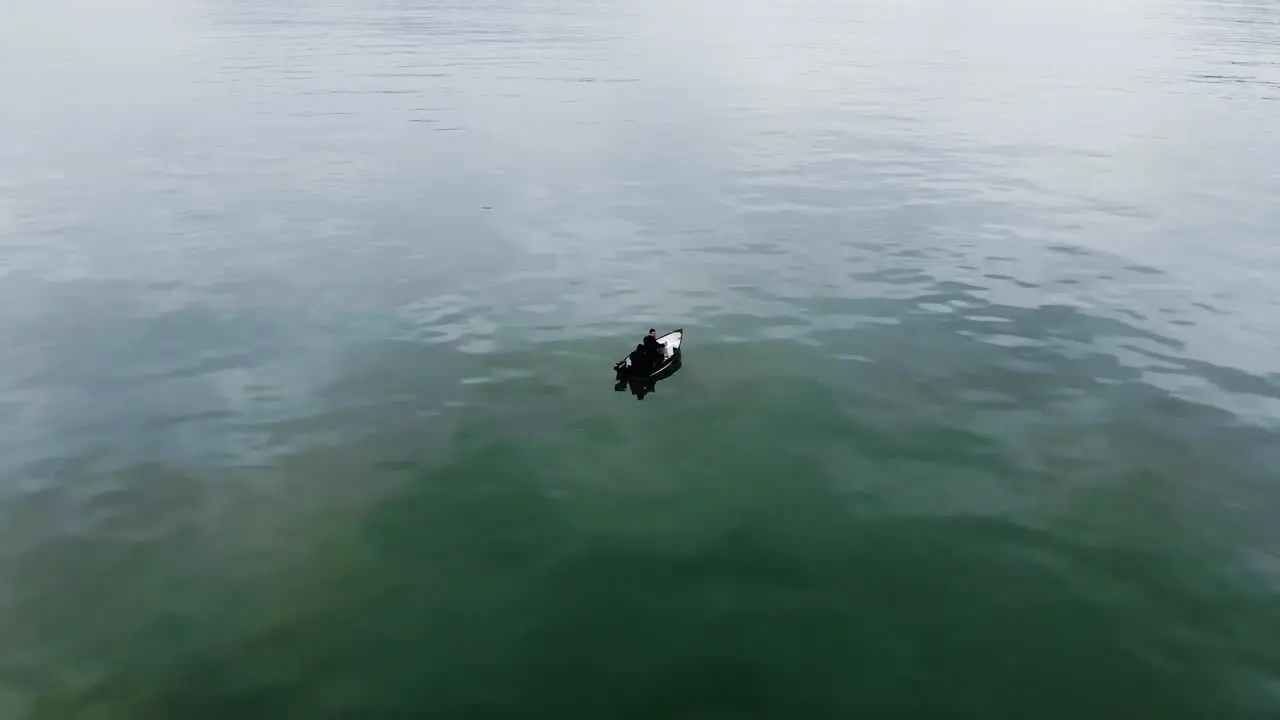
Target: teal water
(307,310)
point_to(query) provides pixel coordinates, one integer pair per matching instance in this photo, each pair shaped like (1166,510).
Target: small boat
(671,357)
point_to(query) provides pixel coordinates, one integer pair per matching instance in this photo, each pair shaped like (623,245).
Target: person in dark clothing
(654,348)
(640,359)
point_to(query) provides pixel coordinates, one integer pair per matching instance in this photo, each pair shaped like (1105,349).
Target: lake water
(308,307)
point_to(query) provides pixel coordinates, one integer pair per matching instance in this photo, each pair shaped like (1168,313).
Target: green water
(307,312)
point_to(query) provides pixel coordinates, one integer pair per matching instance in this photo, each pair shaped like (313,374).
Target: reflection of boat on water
(644,380)
(641,386)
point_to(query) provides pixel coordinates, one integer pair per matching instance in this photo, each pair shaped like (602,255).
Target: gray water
(307,310)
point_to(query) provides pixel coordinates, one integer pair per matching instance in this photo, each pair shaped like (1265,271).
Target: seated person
(656,349)
(640,359)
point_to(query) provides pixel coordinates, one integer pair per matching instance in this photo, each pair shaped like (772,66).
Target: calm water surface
(307,309)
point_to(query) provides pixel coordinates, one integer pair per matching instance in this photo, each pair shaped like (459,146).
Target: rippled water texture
(307,310)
